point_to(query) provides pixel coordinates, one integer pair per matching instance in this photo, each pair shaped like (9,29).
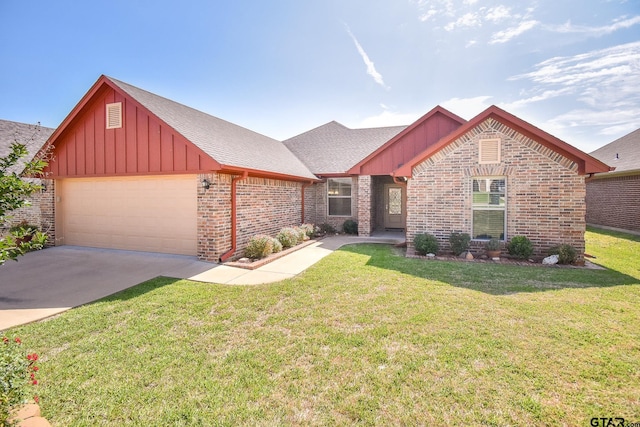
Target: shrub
(16,376)
(567,254)
(492,245)
(309,229)
(426,244)
(288,237)
(326,228)
(302,234)
(277,246)
(520,247)
(259,246)
(459,242)
(350,227)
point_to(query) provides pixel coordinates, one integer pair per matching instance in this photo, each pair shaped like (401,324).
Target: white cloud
(498,13)
(466,20)
(467,108)
(508,34)
(428,15)
(620,23)
(371,69)
(605,81)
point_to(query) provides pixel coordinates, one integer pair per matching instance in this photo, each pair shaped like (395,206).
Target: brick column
(214,216)
(48,212)
(364,205)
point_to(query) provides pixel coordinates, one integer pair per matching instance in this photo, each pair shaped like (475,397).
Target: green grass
(363,337)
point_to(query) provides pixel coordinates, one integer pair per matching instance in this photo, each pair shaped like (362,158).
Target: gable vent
(114,115)
(489,151)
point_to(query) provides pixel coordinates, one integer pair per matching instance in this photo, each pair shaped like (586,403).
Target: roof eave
(266,174)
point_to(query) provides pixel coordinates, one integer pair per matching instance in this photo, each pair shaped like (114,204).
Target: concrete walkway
(51,281)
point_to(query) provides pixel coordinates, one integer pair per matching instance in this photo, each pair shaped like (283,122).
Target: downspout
(398,180)
(303,187)
(231,251)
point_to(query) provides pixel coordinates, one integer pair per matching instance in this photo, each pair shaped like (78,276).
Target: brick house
(613,198)
(133,170)
(33,137)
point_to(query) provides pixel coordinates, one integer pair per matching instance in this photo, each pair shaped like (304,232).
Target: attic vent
(114,115)
(489,151)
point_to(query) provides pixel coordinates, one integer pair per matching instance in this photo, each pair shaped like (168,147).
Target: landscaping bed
(250,264)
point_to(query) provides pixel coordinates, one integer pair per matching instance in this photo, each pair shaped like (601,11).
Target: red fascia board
(586,163)
(355,170)
(265,174)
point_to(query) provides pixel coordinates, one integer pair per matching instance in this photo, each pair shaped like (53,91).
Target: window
(339,196)
(488,151)
(114,115)
(489,203)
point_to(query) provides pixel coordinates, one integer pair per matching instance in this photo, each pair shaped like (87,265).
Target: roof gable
(32,136)
(332,149)
(586,163)
(161,136)
(414,139)
(623,153)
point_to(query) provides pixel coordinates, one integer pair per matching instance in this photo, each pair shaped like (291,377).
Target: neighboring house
(33,137)
(613,198)
(133,170)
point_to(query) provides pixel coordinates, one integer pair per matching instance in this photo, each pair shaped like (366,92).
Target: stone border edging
(29,416)
(263,261)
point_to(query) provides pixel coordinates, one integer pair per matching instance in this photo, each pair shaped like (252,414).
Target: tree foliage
(14,194)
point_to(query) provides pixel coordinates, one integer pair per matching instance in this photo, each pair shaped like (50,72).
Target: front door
(395,205)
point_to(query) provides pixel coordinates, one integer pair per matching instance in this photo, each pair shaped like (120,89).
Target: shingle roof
(334,148)
(32,136)
(227,143)
(623,153)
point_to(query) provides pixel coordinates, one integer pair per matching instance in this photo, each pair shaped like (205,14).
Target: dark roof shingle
(227,143)
(623,153)
(32,136)
(334,148)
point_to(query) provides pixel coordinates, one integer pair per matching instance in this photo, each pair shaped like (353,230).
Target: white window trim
(504,208)
(340,197)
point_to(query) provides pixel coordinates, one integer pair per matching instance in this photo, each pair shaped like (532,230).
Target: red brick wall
(264,206)
(316,205)
(545,194)
(614,202)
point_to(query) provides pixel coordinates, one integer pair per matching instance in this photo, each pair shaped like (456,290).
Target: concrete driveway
(47,282)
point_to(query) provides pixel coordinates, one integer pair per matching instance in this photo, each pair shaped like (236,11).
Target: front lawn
(363,337)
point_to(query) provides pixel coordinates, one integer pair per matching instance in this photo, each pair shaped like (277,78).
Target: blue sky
(282,67)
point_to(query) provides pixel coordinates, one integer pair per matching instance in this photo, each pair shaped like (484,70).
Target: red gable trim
(586,163)
(356,169)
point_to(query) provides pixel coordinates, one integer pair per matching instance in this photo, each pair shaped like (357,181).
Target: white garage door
(154,214)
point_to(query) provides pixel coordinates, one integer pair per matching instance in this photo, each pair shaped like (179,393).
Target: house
(133,170)
(33,137)
(613,198)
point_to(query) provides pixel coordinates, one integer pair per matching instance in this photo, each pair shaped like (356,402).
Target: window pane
(488,224)
(395,201)
(489,192)
(339,187)
(340,206)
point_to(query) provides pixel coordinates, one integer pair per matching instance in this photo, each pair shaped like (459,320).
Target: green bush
(277,246)
(309,230)
(302,234)
(350,227)
(326,228)
(567,254)
(259,247)
(520,247)
(426,244)
(459,242)
(17,375)
(288,237)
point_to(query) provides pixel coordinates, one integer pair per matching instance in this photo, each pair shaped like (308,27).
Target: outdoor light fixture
(44,187)
(206,184)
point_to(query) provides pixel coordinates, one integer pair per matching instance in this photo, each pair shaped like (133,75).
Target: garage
(140,213)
